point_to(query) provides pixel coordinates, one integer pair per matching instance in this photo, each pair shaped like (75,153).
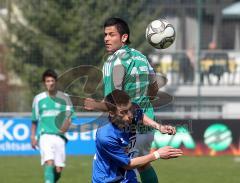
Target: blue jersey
(114,149)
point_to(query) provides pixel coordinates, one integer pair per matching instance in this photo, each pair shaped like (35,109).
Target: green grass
(183,170)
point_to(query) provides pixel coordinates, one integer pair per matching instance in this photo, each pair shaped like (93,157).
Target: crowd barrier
(196,137)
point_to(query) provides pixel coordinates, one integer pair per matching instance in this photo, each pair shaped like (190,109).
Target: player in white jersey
(51,117)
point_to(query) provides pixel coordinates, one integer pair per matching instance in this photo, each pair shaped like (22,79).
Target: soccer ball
(160,34)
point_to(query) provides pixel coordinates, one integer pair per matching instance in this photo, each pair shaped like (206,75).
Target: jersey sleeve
(114,151)
(118,74)
(35,110)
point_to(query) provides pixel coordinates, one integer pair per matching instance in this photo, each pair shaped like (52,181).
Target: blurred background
(202,67)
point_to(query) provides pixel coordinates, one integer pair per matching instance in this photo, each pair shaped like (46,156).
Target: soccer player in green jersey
(51,117)
(129,70)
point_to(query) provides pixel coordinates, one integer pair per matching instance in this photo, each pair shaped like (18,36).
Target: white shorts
(52,147)
(143,143)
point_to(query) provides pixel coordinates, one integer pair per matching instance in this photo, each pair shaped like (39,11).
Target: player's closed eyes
(131,110)
(110,34)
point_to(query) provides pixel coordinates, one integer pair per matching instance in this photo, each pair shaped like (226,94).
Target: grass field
(183,170)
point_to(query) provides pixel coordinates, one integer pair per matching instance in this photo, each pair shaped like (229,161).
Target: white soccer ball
(160,34)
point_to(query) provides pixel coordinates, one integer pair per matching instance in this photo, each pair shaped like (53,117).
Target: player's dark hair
(49,73)
(121,26)
(116,97)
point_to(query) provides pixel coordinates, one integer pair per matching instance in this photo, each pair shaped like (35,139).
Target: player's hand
(169,152)
(34,143)
(65,126)
(170,130)
(89,104)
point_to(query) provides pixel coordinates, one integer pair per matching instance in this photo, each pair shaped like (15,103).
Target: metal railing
(217,67)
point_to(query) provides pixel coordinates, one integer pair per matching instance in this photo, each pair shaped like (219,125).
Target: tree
(63,34)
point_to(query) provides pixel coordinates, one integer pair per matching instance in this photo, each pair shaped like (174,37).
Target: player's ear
(124,38)
(111,113)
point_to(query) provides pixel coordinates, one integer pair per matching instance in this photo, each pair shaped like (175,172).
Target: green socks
(49,174)
(149,175)
(57,176)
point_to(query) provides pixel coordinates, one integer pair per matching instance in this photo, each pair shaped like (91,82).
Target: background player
(51,109)
(115,142)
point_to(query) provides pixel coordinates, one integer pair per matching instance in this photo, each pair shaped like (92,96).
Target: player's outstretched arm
(157,81)
(33,134)
(67,123)
(93,105)
(153,90)
(162,128)
(167,152)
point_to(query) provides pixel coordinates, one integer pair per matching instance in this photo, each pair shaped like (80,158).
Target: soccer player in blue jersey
(115,142)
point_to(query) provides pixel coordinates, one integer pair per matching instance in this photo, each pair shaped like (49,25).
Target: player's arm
(162,128)
(68,115)
(116,153)
(118,75)
(153,86)
(153,146)
(163,153)
(67,123)
(33,134)
(93,105)
(153,90)
(156,81)
(35,114)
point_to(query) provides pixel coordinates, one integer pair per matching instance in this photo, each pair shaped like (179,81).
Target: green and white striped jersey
(129,70)
(51,112)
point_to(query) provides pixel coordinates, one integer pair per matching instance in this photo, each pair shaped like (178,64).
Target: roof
(232,11)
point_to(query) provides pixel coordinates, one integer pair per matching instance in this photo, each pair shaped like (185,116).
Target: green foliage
(62,34)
